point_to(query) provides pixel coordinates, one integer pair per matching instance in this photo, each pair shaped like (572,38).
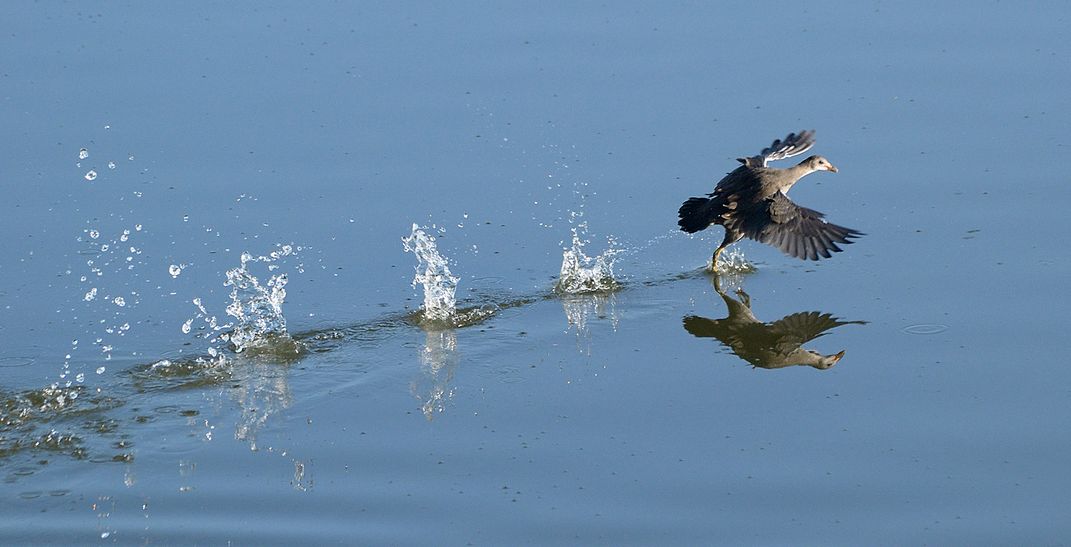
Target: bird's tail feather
(695,215)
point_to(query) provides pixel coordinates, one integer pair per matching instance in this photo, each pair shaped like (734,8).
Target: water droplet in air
(91,175)
(100,370)
(187,325)
(83,154)
(111,165)
(94,234)
(119,301)
(91,294)
(174,270)
(137,227)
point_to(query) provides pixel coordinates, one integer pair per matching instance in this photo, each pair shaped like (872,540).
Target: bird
(752,201)
(768,345)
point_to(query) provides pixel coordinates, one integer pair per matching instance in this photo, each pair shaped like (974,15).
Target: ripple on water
(925,328)
(12,362)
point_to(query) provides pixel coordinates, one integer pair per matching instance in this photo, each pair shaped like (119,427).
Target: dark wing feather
(797,231)
(803,327)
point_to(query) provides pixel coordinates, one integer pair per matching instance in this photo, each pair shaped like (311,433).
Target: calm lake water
(148,147)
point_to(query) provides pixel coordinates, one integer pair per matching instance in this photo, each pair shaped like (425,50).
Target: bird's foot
(745,298)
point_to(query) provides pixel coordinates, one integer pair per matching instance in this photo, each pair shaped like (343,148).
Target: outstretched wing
(792,145)
(798,231)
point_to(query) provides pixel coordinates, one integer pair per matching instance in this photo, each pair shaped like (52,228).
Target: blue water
(559,419)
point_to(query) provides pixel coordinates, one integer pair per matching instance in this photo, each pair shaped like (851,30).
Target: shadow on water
(767,345)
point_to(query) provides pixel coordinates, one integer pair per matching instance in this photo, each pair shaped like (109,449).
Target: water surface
(665,407)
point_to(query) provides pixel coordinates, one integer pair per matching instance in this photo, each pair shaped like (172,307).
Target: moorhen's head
(822,362)
(818,163)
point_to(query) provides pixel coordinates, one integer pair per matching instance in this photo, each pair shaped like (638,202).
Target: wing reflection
(767,345)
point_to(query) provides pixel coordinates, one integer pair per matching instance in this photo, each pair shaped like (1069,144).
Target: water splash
(257,309)
(581,273)
(433,273)
(732,261)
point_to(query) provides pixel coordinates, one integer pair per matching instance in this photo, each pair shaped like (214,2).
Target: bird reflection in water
(767,345)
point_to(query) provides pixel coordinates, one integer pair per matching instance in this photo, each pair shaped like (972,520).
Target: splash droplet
(83,154)
(174,270)
(91,175)
(91,294)
(119,301)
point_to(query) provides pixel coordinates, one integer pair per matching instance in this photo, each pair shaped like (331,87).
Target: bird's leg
(730,238)
(714,260)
